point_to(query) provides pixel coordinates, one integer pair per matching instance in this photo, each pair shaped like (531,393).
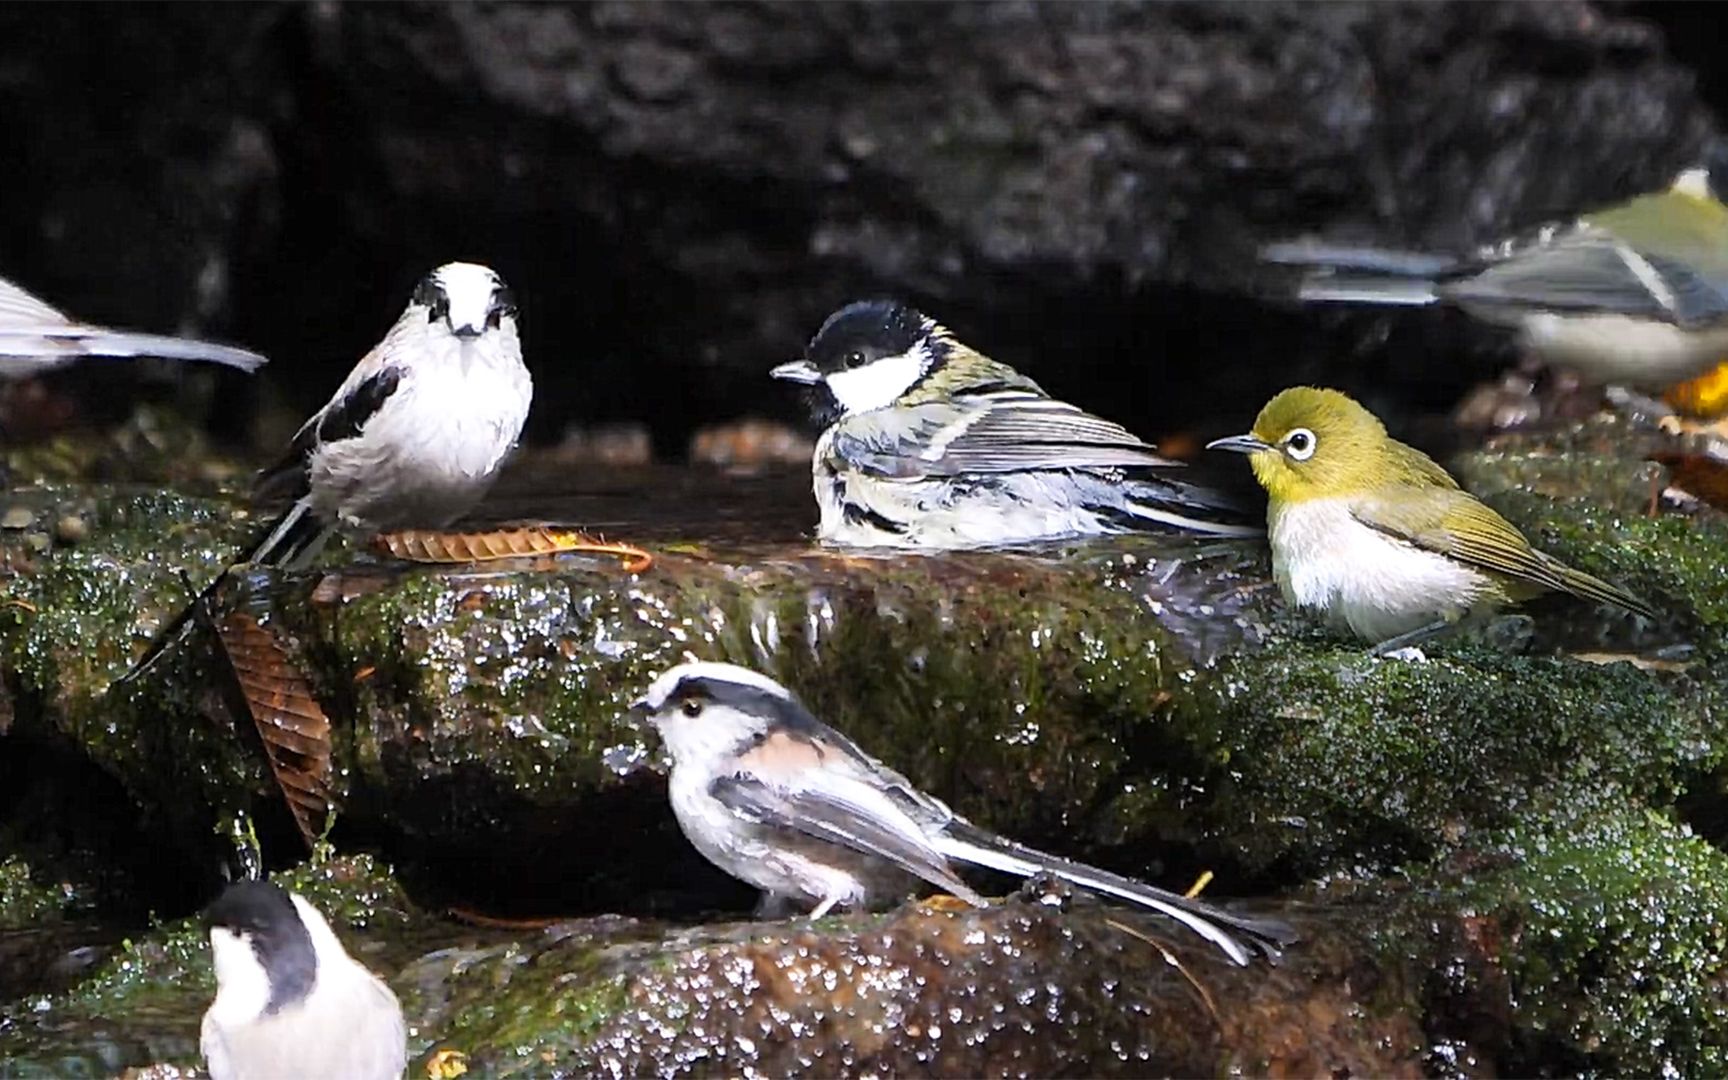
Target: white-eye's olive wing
(1456,524)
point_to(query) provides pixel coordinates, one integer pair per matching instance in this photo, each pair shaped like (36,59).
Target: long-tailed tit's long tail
(968,843)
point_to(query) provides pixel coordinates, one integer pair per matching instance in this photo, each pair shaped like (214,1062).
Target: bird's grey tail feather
(970,844)
(1324,287)
(1167,499)
(173,632)
(1359,275)
(1381,261)
(292,540)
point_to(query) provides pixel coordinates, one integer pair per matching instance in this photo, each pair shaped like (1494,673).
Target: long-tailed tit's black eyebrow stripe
(347,417)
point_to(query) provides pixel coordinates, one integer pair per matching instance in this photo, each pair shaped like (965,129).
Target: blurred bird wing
(1007,431)
(21,310)
(31,328)
(830,806)
(1591,270)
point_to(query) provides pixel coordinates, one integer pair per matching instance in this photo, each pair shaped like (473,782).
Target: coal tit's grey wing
(1587,270)
(35,335)
(1001,432)
(790,782)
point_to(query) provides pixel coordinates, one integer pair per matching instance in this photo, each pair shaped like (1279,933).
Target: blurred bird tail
(1361,275)
(970,844)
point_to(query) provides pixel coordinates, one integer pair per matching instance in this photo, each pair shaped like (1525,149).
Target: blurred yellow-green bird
(1632,295)
(1378,537)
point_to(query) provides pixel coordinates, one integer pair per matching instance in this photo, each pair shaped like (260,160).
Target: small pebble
(37,542)
(71,529)
(17,517)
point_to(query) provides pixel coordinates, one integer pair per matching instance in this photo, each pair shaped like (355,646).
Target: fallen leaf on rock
(290,722)
(427,546)
(1642,663)
(1701,475)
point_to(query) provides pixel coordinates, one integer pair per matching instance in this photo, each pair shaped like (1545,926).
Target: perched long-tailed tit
(932,444)
(418,431)
(290,1001)
(35,337)
(779,799)
(414,436)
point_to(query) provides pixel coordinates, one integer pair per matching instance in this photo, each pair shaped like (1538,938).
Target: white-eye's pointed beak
(798,371)
(1240,444)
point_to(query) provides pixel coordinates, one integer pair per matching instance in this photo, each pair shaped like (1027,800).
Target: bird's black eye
(691,706)
(853,359)
(503,306)
(1300,444)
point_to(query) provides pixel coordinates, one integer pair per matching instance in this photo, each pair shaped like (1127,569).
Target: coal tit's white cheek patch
(877,384)
(242,985)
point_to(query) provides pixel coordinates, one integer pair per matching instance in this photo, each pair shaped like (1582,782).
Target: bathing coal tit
(290,1001)
(779,799)
(412,439)
(1633,295)
(1378,537)
(931,444)
(35,337)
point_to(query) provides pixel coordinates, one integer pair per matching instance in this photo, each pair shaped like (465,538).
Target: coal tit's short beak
(798,371)
(467,333)
(1241,444)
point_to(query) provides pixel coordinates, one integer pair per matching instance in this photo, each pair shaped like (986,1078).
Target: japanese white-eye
(1377,536)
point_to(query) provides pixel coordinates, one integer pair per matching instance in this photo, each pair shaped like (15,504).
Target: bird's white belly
(774,868)
(428,455)
(942,515)
(1362,579)
(1622,350)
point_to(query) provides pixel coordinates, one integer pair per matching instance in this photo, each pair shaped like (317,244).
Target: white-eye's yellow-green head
(1310,443)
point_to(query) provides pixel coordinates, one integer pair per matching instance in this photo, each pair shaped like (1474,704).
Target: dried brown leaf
(427,546)
(290,722)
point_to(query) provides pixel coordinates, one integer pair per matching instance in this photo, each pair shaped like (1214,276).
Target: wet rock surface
(680,192)
(1494,855)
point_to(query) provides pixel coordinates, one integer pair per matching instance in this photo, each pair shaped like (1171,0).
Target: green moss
(1616,953)
(23,902)
(1335,757)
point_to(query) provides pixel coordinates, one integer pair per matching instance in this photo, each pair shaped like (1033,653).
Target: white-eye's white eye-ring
(691,706)
(1300,444)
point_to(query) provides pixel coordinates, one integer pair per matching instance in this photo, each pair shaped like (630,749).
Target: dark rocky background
(680,192)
